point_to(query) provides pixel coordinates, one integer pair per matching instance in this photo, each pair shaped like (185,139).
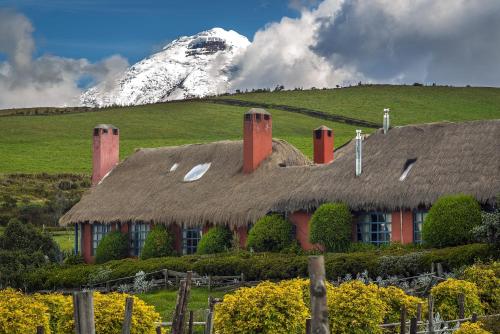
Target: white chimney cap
(387,109)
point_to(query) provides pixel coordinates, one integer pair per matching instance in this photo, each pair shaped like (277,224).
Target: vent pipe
(387,121)
(359,152)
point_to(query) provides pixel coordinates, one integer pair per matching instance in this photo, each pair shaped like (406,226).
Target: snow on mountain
(190,66)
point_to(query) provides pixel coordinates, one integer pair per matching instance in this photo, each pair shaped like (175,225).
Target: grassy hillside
(409,104)
(62,143)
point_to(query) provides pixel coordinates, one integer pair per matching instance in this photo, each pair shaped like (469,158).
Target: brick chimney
(105,151)
(257,138)
(323,145)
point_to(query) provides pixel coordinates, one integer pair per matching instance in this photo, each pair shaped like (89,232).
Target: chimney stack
(323,145)
(359,153)
(257,138)
(105,151)
(387,121)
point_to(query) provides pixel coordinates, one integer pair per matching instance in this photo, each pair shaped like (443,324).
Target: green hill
(61,141)
(408,104)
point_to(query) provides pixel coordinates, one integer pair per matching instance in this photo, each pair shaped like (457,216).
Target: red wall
(105,154)
(323,146)
(176,231)
(87,243)
(257,140)
(242,232)
(301,221)
(407,227)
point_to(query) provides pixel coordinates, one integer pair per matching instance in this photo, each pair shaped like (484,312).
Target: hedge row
(261,266)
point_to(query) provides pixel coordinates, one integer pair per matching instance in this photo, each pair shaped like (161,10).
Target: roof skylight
(174,167)
(197,172)
(408,166)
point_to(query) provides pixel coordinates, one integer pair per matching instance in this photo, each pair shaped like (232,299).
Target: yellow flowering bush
(20,314)
(471,328)
(446,298)
(265,308)
(355,308)
(60,312)
(488,285)
(395,299)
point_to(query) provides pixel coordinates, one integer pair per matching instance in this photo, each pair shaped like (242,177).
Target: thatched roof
(448,158)
(142,188)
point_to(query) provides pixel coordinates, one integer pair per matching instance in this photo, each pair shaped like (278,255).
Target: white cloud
(389,41)
(47,80)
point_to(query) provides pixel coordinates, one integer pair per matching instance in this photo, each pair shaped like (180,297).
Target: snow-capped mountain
(190,66)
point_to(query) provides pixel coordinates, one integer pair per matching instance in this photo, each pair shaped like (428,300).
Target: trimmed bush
(451,220)
(471,328)
(446,296)
(265,308)
(158,243)
(395,299)
(270,234)
(216,240)
(20,314)
(488,284)
(113,246)
(331,227)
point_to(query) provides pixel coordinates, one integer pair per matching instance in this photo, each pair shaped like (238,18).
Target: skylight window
(174,167)
(408,166)
(197,172)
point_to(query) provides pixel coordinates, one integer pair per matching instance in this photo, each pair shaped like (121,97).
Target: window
(190,239)
(98,232)
(374,228)
(407,168)
(174,167)
(138,234)
(197,172)
(418,221)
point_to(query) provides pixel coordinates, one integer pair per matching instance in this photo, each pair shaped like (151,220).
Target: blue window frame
(190,239)
(98,232)
(418,222)
(138,234)
(374,228)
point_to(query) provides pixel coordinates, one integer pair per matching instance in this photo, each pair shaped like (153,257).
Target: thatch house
(193,187)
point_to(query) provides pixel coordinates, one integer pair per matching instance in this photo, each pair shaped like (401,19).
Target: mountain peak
(190,66)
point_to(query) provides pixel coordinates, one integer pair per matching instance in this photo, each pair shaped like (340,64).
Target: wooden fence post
(40,330)
(190,323)
(158,330)
(83,304)
(419,312)
(319,308)
(440,269)
(209,283)
(308,326)
(127,319)
(242,279)
(402,321)
(474,317)
(413,325)
(209,322)
(179,323)
(461,306)
(431,314)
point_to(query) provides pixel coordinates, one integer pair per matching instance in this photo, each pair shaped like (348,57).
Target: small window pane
(98,232)
(374,228)
(138,235)
(190,239)
(418,222)
(197,172)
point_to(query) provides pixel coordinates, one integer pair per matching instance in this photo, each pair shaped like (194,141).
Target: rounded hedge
(451,220)
(331,227)
(158,243)
(270,234)
(113,246)
(446,295)
(216,240)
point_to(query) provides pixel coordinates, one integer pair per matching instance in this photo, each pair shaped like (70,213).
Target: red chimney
(105,154)
(257,138)
(323,145)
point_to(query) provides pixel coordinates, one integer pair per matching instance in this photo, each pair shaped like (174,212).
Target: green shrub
(158,243)
(488,284)
(446,298)
(331,227)
(270,234)
(489,230)
(451,220)
(113,246)
(406,265)
(216,240)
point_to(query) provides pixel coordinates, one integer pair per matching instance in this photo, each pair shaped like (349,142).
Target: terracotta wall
(407,235)
(301,221)
(106,151)
(87,243)
(257,140)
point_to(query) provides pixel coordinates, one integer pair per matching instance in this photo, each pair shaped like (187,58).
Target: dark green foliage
(451,220)
(113,246)
(270,234)
(216,240)
(331,226)
(25,237)
(159,243)
(16,264)
(273,266)
(489,230)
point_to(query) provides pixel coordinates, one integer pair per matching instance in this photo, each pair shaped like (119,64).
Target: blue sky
(95,29)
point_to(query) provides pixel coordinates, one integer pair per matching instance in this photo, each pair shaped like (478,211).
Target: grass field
(62,143)
(409,104)
(164,302)
(65,239)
